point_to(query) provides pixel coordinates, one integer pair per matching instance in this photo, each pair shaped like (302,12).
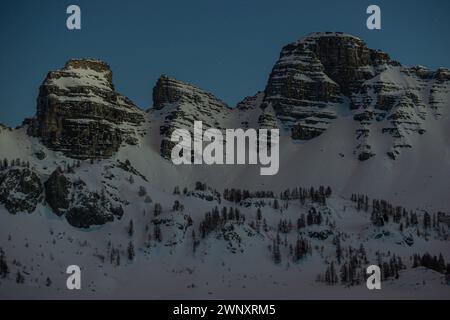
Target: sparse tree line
(302,194)
(19,275)
(349,266)
(296,252)
(382,212)
(436,263)
(5,164)
(4,268)
(215,219)
(68,168)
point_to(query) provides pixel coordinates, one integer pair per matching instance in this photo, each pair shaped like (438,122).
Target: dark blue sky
(224,46)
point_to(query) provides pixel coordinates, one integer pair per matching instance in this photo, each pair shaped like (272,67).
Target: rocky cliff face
(397,103)
(329,74)
(313,77)
(69,195)
(179,104)
(20,189)
(80,113)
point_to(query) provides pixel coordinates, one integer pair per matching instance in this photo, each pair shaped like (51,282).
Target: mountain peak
(88,63)
(169,90)
(329,34)
(80,113)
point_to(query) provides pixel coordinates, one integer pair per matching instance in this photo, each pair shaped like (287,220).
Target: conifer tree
(131,228)
(130,251)
(4,269)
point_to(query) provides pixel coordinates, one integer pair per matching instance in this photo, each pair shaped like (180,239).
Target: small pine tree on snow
(328,192)
(176,206)
(276,254)
(157,233)
(330,274)
(157,209)
(142,191)
(276,205)
(338,250)
(131,228)
(4,269)
(426,220)
(258,214)
(195,241)
(130,251)
(19,277)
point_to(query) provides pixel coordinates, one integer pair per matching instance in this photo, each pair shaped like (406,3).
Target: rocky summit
(80,113)
(315,75)
(179,104)
(326,75)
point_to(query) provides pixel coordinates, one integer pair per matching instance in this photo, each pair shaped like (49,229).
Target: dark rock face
(314,75)
(301,132)
(90,208)
(345,59)
(57,192)
(82,208)
(167,90)
(166,147)
(319,76)
(170,91)
(180,104)
(80,113)
(251,102)
(20,189)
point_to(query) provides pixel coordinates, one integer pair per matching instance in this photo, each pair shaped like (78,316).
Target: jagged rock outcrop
(57,192)
(180,104)
(20,189)
(69,195)
(401,99)
(80,113)
(319,77)
(251,102)
(314,75)
(91,208)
